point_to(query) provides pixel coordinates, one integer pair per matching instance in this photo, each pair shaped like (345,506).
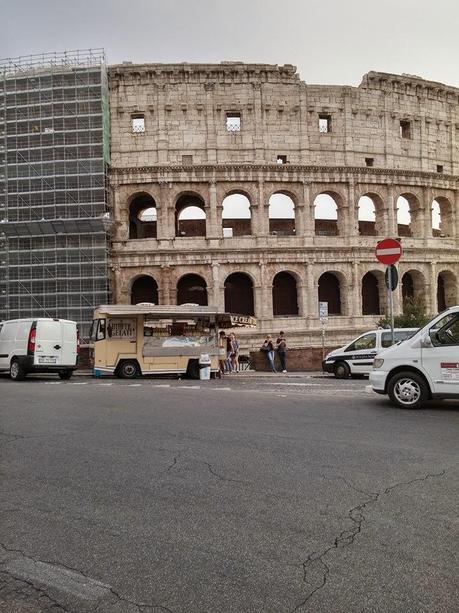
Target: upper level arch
(236,214)
(328,213)
(370,214)
(142,216)
(281,213)
(443,218)
(190,215)
(410,216)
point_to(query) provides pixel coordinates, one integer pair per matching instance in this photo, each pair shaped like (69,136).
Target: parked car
(356,358)
(424,367)
(38,345)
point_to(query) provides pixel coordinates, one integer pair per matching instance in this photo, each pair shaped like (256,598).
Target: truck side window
(448,334)
(100,334)
(364,342)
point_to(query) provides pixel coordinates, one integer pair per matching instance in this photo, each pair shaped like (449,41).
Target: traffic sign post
(389,251)
(323,315)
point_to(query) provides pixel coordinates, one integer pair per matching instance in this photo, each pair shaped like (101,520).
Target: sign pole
(391,303)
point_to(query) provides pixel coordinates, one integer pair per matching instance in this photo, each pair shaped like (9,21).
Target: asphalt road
(243,495)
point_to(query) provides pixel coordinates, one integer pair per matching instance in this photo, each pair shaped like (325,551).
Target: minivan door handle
(57,346)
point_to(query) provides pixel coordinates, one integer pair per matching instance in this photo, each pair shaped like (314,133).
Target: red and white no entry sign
(388,251)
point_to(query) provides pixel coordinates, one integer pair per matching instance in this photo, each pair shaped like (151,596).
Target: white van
(424,367)
(356,358)
(38,345)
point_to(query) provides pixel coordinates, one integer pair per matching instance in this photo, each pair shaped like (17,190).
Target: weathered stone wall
(187,149)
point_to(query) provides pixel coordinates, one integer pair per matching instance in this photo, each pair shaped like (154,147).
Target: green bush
(414,316)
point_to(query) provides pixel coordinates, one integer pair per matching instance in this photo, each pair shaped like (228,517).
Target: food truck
(146,339)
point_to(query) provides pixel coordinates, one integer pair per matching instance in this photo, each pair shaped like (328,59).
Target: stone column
(312,298)
(432,307)
(210,124)
(166,213)
(264,304)
(392,228)
(301,292)
(217,294)
(354,306)
(121,216)
(214,229)
(308,211)
(352,226)
(166,293)
(426,206)
(260,219)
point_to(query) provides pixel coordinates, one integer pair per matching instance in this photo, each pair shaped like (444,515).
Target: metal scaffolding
(54,154)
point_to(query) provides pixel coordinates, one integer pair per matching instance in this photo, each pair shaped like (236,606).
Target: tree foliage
(414,316)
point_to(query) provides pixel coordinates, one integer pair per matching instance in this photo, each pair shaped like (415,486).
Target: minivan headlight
(378,363)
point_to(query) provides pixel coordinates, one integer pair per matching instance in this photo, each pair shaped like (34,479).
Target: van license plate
(47,359)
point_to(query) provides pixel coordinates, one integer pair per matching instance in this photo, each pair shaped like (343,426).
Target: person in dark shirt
(281,346)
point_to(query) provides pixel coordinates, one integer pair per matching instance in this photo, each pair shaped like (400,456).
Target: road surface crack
(221,477)
(348,535)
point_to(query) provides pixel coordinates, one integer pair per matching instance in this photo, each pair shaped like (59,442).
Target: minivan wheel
(65,374)
(408,390)
(341,370)
(128,370)
(17,372)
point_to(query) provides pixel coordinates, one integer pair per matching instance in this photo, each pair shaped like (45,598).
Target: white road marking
(288,383)
(190,387)
(134,385)
(79,383)
(63,579)
(222,389)
(160,384)
(52,382)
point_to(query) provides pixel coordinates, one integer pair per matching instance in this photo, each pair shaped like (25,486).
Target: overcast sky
(330,41)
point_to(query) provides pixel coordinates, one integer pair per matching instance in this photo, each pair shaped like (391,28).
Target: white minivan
(422,368)
(38,345)
(356,358)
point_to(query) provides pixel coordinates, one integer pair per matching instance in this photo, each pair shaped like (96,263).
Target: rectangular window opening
(369,161)
(324,123)
(233,122)
(282,159)
(138,123)
(405,128)
(439,168)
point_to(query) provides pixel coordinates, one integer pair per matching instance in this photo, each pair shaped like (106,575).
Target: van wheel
(128,370)
(17,372)
(65,374)
(341,370)
(408,390)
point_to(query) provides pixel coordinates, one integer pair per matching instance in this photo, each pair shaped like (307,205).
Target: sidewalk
(245,374)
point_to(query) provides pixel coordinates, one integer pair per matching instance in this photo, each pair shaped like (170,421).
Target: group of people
(269,348)
(228,352)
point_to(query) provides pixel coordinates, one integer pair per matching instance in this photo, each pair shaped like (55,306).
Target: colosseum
(241,186)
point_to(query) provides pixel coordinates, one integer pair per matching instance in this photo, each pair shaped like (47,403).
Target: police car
(356,358)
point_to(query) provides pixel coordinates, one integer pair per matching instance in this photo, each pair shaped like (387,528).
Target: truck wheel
(128,370)
(65,374)
(342,370)
(408,390)
(17,372)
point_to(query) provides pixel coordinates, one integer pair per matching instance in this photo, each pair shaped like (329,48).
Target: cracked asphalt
(243,495)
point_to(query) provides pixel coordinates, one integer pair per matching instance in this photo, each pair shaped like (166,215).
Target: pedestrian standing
(221,351)
(228,365)
(235,345)
(268,349)
(281,346)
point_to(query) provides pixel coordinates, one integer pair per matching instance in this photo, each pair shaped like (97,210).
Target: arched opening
(409,216)
(144,289)
(281,215)
(442,218)
(370,219)
(192,289)
(371,297)
(326,214)
(413,287)
(236,215)
(239,294)
(190,216)
(330,291)
(285,296)
(446,290)
(142,217)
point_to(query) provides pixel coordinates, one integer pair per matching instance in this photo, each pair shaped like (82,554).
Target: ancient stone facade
(184,137)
